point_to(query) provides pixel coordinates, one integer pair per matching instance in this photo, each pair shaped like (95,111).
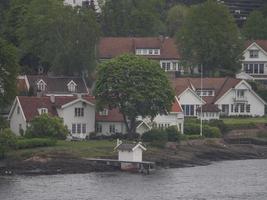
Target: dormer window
(72,86)
(254,53)
(147,51)
(41,85)
(104,112)
(205,93)
(42,111)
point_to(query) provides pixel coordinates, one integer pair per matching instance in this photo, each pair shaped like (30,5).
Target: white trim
(243,81)
(254,43)
(139,145)
(193,92)
(75,101)
(143,122)
(41,80)
(71,82)
(13,108)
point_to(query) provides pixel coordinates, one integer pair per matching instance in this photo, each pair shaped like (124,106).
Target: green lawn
(94,148)
(256,120)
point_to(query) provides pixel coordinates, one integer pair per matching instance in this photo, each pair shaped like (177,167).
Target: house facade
(254,63)
(51,85)
(78,114)
(161,49)
(233,97)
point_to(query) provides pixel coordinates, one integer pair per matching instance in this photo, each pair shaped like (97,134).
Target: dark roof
(30,105)
(113,116)
(58,84)
(219,85)
(126,147)
(110,47)
(209,108)
(261,43)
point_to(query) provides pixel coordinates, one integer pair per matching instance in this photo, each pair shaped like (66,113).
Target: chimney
(52,98)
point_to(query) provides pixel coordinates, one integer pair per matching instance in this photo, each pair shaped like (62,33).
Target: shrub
(173,134)
(34,142)
(194,137)
(211,132)
(45,126)
(219,124)
(191,128)
(250,125)
(7,141)
(154,134)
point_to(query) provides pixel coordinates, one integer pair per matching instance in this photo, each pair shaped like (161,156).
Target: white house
(109,122)
(254,63)
(78,114)
(234,97)
(161,49)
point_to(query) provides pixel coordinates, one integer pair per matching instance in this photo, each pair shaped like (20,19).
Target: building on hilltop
(254,64)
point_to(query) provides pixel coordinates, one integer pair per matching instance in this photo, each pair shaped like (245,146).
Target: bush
(7,141)
(194,137)
(34,142)
(45,126)
(219,124)
(241,126)
(173,134)
(155,135)
(211,132)
(191,129)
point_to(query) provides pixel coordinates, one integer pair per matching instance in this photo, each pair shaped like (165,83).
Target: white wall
(209,116)
(131,156)
(256,106)
(89,117)
(16,119)
(119,127)
(171,119)
(188,98)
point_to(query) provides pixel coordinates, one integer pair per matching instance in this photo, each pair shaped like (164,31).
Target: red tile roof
(219,85)
(110,47)
(114,115)
(176,107)
(261,43)
(30,105)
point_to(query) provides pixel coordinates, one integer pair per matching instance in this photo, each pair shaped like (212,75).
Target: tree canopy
(136,86)
(255,26)
(133,18)
(8,72)
(210,37)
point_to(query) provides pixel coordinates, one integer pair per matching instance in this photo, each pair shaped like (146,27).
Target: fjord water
(244,179)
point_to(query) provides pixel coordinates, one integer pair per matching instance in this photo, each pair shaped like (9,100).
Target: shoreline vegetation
(69,157)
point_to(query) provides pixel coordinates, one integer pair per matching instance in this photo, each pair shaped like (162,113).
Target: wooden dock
(142,167)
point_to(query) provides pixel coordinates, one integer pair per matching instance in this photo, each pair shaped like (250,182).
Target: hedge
(208,131)
(35,142)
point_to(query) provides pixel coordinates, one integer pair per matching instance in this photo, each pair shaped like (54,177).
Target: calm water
(245,179)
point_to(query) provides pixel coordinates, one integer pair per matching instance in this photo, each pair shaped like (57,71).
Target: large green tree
(136,86)
(255,26)
(210,37)
(60,36)
(8,72)
(175,18)
(133,18)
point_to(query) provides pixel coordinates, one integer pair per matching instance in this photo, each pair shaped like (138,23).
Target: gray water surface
(246,179)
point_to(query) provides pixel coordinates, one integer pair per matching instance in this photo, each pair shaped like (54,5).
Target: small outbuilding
(209,112)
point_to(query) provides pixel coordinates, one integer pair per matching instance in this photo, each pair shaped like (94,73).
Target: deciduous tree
(210,37)
(134,85)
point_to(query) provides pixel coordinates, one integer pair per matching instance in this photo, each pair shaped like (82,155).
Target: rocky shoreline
(189,154)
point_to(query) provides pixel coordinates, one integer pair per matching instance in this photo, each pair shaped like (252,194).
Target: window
(138,51)
(188,110)
(150,51)
(240,93)
(98,128)
(205,93)
(79,112)
(156,51)
(242,108)
(78,128)
(166,66)
(253,53)
(236,108)
(20,128)
(72,87)
(43,111)
(41,85)
(104,112)
(261,68)
(225,108)
(232,107)
(73,128)
(18,110)
(256,69)
(248,108)
(83,128)
(112,128)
